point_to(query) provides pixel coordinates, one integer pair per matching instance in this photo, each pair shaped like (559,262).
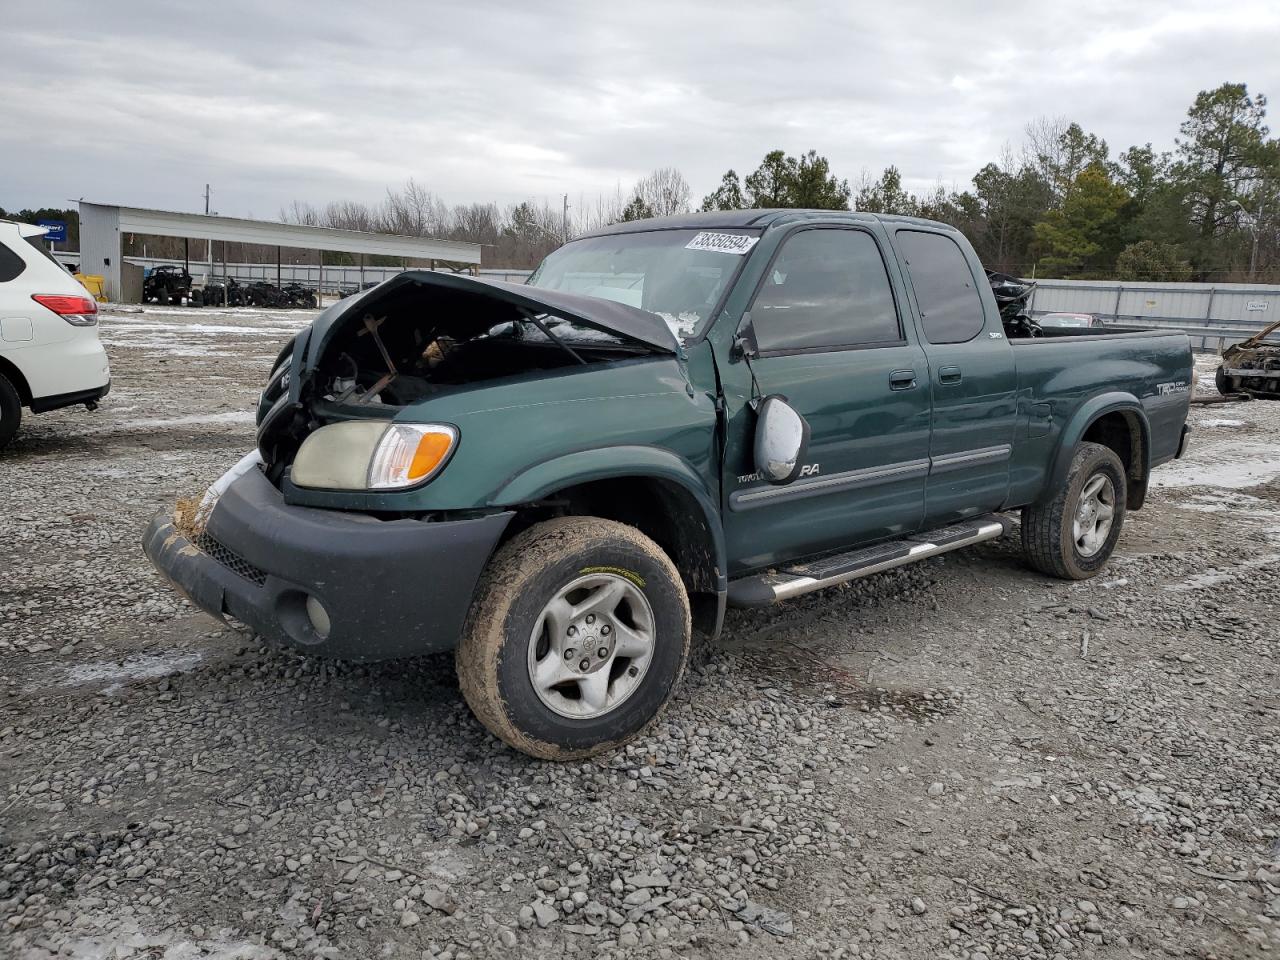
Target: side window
(11,265)
(826,288)
(949,302)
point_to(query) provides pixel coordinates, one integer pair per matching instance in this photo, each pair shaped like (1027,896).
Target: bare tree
(665,191)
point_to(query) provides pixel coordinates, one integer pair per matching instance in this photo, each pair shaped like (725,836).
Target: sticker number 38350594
(734,243)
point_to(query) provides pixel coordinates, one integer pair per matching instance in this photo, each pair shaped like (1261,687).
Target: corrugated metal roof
(197,226)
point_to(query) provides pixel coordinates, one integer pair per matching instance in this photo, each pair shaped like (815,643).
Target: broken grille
(230,559)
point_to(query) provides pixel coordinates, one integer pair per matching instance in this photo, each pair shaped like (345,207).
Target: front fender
(1081,420)
(606,463)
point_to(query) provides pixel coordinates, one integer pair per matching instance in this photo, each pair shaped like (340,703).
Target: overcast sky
(142,104)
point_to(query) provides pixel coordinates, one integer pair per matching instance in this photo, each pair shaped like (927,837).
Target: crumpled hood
(468,306)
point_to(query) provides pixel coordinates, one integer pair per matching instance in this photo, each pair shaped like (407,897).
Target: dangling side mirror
(744,342)
(782,439)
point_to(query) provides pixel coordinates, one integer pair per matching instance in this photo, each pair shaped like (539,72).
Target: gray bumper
(391,588)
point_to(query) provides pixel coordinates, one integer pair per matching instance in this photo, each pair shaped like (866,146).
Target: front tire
(1223,382)
(10,411)
(1074,534)
(576,638)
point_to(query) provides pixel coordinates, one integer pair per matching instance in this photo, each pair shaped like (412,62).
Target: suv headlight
(373,455)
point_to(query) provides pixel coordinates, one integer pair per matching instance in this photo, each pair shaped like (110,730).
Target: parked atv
(298,295)
(224,292)
(166,284)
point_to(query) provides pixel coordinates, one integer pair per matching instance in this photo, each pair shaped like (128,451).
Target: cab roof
(760,219)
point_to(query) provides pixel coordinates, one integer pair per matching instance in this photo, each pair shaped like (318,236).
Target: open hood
(465,306)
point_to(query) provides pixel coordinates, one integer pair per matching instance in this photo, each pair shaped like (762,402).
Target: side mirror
(744,342)
(782,439)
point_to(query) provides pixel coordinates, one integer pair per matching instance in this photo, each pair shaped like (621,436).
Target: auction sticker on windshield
(734,243)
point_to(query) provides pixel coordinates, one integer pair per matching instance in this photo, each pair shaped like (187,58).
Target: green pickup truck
(564,479)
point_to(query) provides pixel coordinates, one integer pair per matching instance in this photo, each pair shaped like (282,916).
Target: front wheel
(1073,535)
(1223,382)
(576,638)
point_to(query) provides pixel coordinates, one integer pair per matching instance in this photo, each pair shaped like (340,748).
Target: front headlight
(373,455)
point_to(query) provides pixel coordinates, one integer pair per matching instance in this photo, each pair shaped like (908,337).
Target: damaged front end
(1252,366)
(424,334)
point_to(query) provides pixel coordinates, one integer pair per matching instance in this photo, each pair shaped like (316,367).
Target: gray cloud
(271,102)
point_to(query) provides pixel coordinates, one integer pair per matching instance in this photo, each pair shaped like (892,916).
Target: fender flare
(619,462)
(1085,416)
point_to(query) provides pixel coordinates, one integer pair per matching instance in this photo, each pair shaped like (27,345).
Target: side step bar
(763,589)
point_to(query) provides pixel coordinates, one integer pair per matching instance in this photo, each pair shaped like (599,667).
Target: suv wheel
(1073,535)
(577,636)
(10,411)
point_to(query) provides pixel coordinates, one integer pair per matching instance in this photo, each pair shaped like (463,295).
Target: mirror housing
(782,439)
(744,341)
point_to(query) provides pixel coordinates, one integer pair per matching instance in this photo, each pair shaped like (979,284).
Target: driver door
(829,335)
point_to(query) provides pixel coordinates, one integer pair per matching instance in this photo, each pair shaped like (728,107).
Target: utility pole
(566,218)
(206,199)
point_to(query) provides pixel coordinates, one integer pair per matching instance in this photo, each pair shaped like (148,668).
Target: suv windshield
(678,274)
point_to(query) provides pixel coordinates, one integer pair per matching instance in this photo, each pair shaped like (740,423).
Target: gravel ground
(957,759)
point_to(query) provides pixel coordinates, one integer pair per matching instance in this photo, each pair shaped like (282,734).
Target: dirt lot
(958,759)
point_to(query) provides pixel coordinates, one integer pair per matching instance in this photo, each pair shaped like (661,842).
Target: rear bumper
(57,402)
(393,588)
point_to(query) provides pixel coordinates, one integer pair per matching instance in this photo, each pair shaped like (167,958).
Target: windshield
(678,274)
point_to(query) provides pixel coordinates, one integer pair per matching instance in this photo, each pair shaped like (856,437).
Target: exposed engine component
(1252,366)
(1012,297)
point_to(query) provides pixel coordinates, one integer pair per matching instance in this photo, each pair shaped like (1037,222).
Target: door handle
(949,375)
(902,380)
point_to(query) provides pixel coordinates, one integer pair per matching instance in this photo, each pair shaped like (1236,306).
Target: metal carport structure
(103,225)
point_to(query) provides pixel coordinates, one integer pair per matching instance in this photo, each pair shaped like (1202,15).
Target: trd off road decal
(734,243)
(1175,386)
(617,572)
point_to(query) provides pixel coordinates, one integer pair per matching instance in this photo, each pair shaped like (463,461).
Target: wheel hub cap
(1095,514)
(591,646)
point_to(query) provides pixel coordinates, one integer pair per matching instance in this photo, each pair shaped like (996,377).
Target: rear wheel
(1073,535)
(577,636)
(10,411)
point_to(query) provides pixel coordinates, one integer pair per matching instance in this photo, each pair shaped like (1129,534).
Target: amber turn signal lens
(432,448)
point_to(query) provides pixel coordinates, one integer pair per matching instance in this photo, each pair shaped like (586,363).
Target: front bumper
(391,588)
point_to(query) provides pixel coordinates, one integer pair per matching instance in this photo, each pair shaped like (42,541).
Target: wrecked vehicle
(562,480)
(1252,366)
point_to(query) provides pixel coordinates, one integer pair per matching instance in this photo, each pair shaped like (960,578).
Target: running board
(792,581)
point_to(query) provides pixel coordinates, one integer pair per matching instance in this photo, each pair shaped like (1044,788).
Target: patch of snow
(117,673)
(230,416)
(1231,465)
(1221,423)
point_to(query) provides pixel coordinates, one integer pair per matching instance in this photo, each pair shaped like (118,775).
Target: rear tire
(1074,534)
(10,411)
(1223,382)
(577,636)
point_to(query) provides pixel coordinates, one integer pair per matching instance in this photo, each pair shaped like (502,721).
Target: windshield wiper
(537,322)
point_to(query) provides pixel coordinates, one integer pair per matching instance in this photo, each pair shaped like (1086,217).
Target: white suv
(50,355)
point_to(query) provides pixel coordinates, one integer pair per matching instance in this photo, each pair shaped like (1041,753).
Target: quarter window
(950,305)
(826,289)
(11,265)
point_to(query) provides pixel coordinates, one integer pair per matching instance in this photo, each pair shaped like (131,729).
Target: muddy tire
(578,634)
(1223,382)
(10,411)
(1074,534)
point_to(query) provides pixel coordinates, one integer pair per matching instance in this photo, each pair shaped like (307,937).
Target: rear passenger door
(832,337)
(972,377)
